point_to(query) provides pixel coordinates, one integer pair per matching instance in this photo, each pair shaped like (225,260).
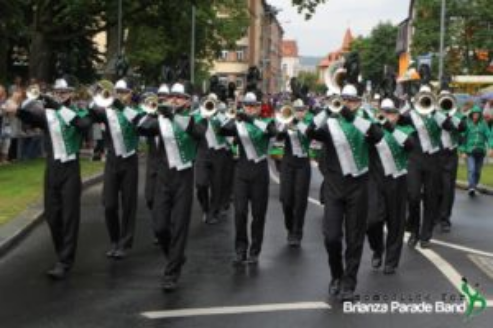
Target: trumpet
(380,118)
(33,92)
(335,104)
(208,108)
(447,103)
(231,112)
(104,94)
(425,103)
(285,115)
(150,104)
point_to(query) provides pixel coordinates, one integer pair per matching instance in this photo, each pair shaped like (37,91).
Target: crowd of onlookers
(18,141)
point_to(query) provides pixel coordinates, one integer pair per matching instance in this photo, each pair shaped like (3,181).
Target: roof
(335,55)
(289,48)
(348,39)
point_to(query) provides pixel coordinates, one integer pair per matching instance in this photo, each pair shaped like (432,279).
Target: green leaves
(307,7)
(376,51)
(469,33)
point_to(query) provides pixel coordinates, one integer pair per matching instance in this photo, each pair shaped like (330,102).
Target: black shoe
(389,269)
(120,254)
(252,260)
(425,244)
(376,261)
(472,192)
(294,241)
(346,294)
(58,272)
(239,260)
(211,219)
(169,284)
(334,287)
(445,227)
(112,251)
(412,241)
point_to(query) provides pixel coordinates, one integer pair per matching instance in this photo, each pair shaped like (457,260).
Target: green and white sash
(63,137)
(179,146)
(253,139)
(427,133)
(122,132)
(392,154)
(350,144)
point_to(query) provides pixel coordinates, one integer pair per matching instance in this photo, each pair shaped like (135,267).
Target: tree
(307,7)
(377,51)
(468,38)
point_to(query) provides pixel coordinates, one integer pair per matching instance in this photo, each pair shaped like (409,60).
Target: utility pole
(442,41)
(192,50)
(119,27)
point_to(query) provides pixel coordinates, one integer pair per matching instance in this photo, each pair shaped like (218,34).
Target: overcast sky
(324,32)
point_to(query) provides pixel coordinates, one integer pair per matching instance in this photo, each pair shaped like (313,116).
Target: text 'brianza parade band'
(388,159)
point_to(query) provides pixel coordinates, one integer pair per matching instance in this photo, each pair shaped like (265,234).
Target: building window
(240,55)
(224,55)
(239,83)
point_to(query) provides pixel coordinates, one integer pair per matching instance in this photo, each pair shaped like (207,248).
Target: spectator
(475,142)
(7,123)
(16,86)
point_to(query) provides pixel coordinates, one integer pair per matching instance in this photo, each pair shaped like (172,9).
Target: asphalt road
(105,293)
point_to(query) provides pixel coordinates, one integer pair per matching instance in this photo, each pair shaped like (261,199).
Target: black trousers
(227,191)
(346,206)
(172,213)
(211,180)
(388,204)
(251,189)
(423,181)
(62,191)
(449,161)
(295,185)
(120,185)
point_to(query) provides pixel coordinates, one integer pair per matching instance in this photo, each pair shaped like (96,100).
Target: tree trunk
(4,58)
(41,57)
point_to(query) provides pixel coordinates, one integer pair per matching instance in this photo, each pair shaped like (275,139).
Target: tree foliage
(377,51)
(307,7)
(468,38)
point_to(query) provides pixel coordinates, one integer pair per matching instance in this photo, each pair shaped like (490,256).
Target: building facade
(290,62)
(261,47)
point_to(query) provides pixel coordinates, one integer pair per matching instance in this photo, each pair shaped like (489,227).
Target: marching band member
(295,169)
(423,174)
(64,125)
(121,168)
(211,162)
(251,185)
(346,136)
(387,188)
(448,156)
(178,134)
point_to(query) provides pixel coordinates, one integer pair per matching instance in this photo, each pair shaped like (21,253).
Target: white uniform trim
(424,136)
(247,143)
(171,145)
(343,149)
(55,128)
(116,134)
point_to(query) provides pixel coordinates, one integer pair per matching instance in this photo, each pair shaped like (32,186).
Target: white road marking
(452,275)
(236,310)
(462,248)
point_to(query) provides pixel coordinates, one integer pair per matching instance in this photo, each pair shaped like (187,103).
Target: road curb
(13,232)
(482,189)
